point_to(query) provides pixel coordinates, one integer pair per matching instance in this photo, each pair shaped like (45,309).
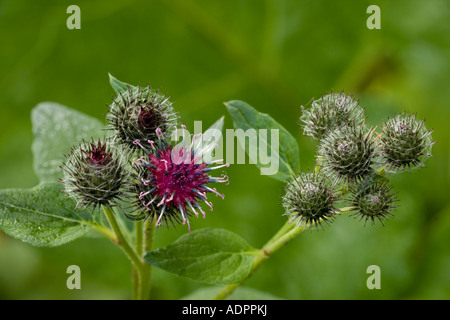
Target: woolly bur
(405,143)
(95,174)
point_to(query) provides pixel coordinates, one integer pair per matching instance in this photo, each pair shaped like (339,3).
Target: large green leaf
(246,117)
(42,216)
(56,129)
(213,256)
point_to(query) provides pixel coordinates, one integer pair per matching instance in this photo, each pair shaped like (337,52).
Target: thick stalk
(139,232)
(138,227)
(108,233)
(138,263)
(147,243)
(121,240)
(286,233)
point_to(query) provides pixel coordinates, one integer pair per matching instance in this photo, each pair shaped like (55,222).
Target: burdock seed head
(136,114)
(375,201)
(405,143)
(95,174)
(329,112)
(347,154)
(310,200)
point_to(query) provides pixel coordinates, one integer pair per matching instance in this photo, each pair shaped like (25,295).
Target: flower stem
(139,266)
(286,233)
(139,231)
(108,233)
(121,240)
(138,227)
(147,243)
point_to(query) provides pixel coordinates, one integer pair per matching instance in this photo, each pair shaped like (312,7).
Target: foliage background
(276,55)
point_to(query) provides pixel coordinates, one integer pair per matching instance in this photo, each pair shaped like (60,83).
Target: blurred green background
(276,55)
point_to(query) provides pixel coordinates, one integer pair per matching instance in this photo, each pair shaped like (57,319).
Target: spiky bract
(136,114)
(310,200)
(330,112)
(372,202)
(95,174)
(405,143)
(347,154)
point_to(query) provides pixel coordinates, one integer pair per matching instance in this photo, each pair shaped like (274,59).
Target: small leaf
(245,117)
(241,293)
(56,129)
(42,216)
(118,86)
(213,256)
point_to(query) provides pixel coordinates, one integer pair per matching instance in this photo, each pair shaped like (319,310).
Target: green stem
(286,233)
(147,242)
(121,240)
(345,210)
(283,230)
(148,235)
(139,231)
(108,233)
(139,266)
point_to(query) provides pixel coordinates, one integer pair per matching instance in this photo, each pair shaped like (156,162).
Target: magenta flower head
(172,181)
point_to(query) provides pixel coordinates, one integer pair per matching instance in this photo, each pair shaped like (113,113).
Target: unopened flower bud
(347,154)
(310,200)
(375,201)
(330,112)
(405,143)
(136,114)
(94,174)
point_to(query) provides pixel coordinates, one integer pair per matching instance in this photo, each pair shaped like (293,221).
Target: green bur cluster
(352,161)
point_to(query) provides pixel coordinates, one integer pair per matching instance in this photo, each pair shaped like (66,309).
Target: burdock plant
(134,174)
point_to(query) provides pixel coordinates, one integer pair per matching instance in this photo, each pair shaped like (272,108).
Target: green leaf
(246,117)
(56,129)
(213,256)
(42,216)
(118,86)
(241,293)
